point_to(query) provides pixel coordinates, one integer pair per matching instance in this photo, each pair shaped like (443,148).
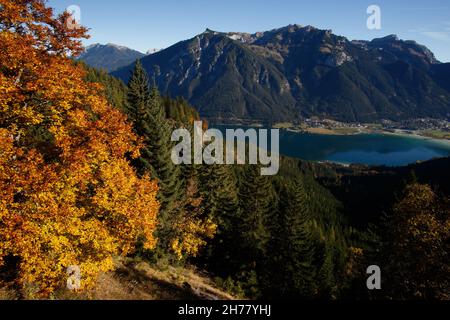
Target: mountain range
(109,56)
(300,71)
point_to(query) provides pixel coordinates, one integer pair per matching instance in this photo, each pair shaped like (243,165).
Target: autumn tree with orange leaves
(68,195)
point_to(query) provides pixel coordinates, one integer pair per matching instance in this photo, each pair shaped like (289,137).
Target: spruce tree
(146,109)
(326,278)
(291,247)
(256,203)
(138,110)
(220,194)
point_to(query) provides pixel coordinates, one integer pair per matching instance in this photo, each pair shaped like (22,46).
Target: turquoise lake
(369,149)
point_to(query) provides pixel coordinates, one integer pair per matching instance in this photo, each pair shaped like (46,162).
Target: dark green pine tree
(256,202)
(220,194)
(220,191)
(161,150)
(138,110)
(146,109)
(326,278)
(291,255)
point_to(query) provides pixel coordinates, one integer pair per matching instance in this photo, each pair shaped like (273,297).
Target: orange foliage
(68,196)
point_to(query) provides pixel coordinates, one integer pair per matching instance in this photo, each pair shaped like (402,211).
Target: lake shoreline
(364,146)
(351,131)
(359,131)
(395,132)
(436,135)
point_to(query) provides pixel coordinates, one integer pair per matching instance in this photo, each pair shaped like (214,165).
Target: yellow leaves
(26,114)
(417,243)
(420,221)
(356,251)
(192,229)
(54,228)
(355,265)
(68,196)
(416,197)
(129,215)
(192,236)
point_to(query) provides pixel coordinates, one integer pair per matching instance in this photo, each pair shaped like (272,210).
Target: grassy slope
(140,281)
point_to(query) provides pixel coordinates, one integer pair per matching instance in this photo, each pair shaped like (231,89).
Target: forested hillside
(86,180)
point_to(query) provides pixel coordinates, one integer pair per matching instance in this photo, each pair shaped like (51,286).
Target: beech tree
(68,196)
(416,255)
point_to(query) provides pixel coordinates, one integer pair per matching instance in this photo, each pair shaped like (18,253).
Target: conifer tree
(138,111)
(256,203)
(220,193)
(146,109)
(291,247)
(326,278)
(160,150)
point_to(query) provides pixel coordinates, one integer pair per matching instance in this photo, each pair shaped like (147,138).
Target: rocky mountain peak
(109,56)
(301,70)
(392,48)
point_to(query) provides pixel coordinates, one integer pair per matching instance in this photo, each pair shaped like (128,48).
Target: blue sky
(145,24)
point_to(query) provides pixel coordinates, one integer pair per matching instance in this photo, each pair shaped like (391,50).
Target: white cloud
(438,31)
(437,35)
